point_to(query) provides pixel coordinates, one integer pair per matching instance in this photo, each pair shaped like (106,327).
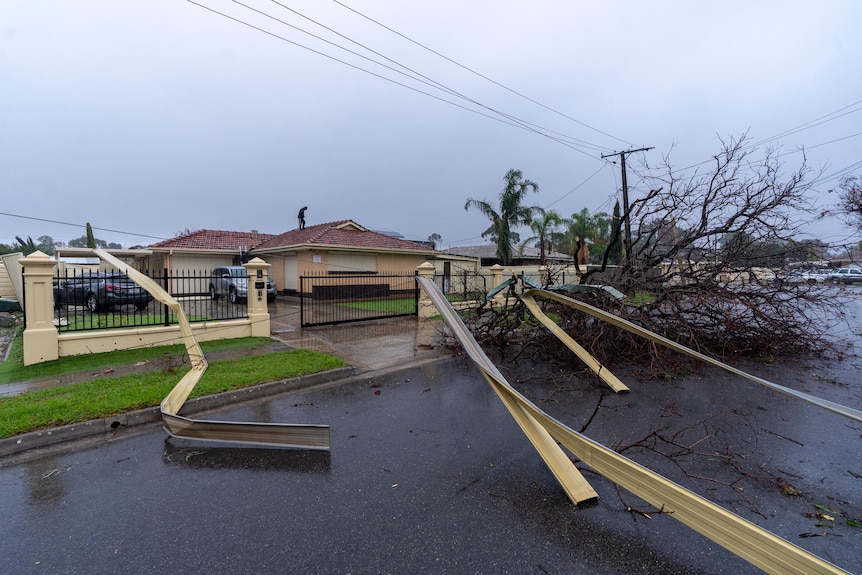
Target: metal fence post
(166,312)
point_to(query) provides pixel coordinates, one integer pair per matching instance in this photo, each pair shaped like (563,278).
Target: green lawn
(394,306)
(104,397)
(117,321)
(13,369)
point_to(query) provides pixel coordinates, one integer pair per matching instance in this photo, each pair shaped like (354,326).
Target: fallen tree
(706,269)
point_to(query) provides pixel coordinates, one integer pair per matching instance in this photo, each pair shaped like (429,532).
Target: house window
(351,263)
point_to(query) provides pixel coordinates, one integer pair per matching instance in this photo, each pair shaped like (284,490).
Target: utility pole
(628,238)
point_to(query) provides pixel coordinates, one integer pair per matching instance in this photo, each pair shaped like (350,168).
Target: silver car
(231,282)
(845,275)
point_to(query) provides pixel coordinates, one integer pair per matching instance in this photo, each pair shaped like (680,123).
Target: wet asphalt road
(428,473)
(431,475)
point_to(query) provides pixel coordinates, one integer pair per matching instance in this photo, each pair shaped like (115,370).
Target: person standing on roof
(302,218)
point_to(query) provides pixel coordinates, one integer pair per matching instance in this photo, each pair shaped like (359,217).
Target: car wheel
(92,303)
(232,296)
(213,294)
(140,306)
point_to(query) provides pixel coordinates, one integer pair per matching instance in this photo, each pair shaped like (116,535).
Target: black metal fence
(347,297)
(91,300)
(463,285)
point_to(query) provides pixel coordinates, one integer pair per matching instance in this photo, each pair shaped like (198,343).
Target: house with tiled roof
(202,250)
(338,248)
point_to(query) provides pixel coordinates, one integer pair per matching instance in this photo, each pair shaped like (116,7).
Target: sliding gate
(345,297)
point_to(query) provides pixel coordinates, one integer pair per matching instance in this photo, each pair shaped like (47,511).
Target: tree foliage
(435,239)
(705,268)
(849,206)
(91,239)
(510,212)
(44,244)
(545,233)
(83,242)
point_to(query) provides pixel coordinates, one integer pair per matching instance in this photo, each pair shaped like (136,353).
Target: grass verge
(105,397)
(13,369)
(395,306)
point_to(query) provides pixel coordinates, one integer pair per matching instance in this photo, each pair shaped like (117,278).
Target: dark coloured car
(232,282)
(100,291)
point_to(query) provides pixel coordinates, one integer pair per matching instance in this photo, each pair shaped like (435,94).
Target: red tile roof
(215,240)
(341,233)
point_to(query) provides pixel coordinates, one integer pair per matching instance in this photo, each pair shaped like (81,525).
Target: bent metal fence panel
(334,298)
(281,434)
(97,300)
(740,536)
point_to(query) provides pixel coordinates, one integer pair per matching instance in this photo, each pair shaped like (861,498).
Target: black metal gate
(346,297)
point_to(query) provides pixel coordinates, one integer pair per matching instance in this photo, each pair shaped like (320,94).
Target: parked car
(100,291)
(845,275)
(807,276)
(232,282)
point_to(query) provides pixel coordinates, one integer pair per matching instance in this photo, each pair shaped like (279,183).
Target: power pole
(628,238)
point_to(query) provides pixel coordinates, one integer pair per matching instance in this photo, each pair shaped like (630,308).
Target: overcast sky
(149,117)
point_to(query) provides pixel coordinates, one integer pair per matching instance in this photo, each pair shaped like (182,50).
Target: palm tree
(27,247)
(545,232)
(512,212)
(584,226)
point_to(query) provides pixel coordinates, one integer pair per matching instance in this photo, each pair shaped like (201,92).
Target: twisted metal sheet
(740,536)
(271,434)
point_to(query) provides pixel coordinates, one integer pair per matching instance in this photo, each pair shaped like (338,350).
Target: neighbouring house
(521,255)
(338,248)
(525,259)
(201,251)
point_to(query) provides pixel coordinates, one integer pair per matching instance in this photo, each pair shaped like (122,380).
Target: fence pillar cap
(257,262)
(426,265)
(496,267)
(39,257)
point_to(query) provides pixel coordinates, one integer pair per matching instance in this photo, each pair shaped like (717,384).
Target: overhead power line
(80,226)
(565,140)
(508,89)
(418,76)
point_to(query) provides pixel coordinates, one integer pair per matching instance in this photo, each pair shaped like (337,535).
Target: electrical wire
(418,75)
(515,92)
(81,226)
(504,118)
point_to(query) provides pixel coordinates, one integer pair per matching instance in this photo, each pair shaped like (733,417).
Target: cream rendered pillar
(426,307)
(497,279)
(40,334)
(258,314)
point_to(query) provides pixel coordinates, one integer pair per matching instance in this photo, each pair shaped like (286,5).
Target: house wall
(400,263)
(472,265)
(277,271)
(187,262)
(310,262)
(346,262)
(289,267)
